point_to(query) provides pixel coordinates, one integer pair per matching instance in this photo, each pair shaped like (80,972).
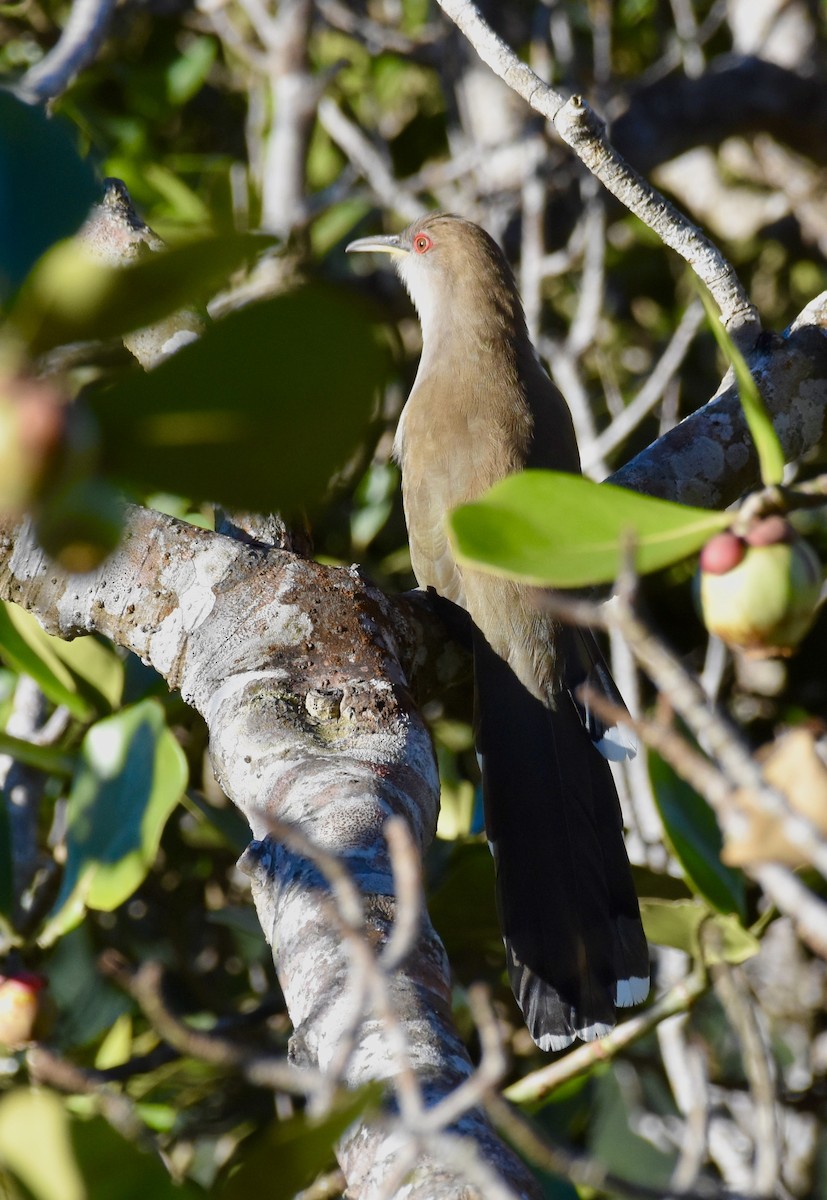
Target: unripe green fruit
(766,602)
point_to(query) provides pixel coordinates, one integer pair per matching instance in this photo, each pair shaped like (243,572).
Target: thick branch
(311,725)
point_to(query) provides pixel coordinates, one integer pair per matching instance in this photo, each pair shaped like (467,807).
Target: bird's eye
(422,243)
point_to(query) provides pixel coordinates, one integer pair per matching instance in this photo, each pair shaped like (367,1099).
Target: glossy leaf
(694,835)
(259,413)
(767,445)
(46,189)
(26,647)
(130,775)
(558,530)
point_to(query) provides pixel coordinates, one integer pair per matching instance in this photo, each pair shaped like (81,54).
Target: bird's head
(453,270)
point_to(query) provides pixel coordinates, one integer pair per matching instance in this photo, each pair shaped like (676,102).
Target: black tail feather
(574,943)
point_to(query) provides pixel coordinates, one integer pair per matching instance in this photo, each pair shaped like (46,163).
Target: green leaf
(729,941)
(302,1148)
(43,758)
(115,1169)
(557,530)
(131,773)
(95,665)
(767,445)
(258,413)
(87,1002)
(46,190)
(35,1145)
(673,923)
(694,835)
(688,925)
(72,297)
(187,74)
(28,649)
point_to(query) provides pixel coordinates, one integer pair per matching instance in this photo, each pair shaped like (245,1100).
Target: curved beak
(377,244)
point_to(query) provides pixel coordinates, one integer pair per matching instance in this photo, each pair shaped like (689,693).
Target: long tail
(570,919)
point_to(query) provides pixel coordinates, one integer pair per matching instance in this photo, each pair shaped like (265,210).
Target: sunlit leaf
(673,922)
(767,445)
(690,926)
(130,775)
(27,648)
(35,1144)
(558,530)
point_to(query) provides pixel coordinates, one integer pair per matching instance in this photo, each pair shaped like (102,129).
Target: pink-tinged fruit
(20,1003)
(765,601)
(722,553)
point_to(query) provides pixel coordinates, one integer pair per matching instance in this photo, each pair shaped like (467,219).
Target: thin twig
(77,47)
(731,986)
(639,408)
(582,130)
(263,1070)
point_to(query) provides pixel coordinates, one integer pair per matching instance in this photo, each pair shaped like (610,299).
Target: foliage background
(316,123)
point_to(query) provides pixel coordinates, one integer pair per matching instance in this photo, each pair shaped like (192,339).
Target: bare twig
(77,46)
(368,160)
(731,987)
(639,408)
(584,132)
(263,1070)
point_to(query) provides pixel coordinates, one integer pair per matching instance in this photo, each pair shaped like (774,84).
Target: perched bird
(482,407)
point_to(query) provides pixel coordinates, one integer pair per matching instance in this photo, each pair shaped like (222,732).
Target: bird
(482,407)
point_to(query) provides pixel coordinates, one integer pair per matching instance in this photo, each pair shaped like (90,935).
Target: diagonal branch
(581,129)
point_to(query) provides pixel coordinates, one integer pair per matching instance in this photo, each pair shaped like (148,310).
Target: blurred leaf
(689,925)
(80,524)
(673,923)
(36,1146)
(115,1169)
(95,664)
(131,774)
(463,908)
(258,413)
(27,648)
(87,1003)
(301,1147)
(694,835)
(187,74)
(72,297)
(613,1142)
(227,822)
(558,530)
(728,941)
(767,445)
(43,758)
(116,1046)
(457,802)
(185,203)
(46,190)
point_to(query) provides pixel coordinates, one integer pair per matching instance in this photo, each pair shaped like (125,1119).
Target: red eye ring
(422,243)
